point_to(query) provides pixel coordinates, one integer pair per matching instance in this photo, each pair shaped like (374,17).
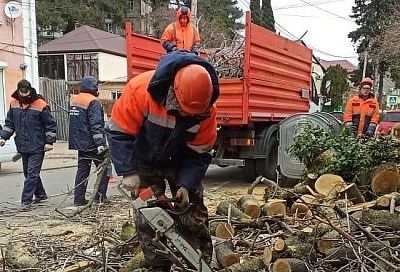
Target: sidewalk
(59,157)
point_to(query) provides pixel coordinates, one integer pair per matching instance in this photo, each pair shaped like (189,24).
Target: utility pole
(365,63)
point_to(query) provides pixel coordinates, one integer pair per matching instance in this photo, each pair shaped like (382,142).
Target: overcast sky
(327,22)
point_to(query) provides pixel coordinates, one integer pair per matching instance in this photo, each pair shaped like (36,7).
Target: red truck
(276,84)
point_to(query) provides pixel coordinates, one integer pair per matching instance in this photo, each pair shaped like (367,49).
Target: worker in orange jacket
(182,34)
(362,111)
(162,129)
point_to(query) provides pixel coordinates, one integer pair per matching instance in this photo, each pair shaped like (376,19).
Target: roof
(345,64)
(86,39)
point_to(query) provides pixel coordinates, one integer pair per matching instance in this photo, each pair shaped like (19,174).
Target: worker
(163,128)
(362,111)
(182,34)
(35,129)
(86,134)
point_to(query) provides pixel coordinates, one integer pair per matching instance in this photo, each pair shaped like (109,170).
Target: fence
(56,94)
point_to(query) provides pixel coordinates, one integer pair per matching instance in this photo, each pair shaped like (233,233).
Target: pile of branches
(228,59)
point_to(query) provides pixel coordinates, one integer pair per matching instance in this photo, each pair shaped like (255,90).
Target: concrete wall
(112,68)
(11,52)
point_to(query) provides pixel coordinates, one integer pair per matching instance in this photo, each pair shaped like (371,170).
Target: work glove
(48,147)
(132,184)
(369,133)
(182,195)
(101,149)
(2,142)
(174,49)
(195,50)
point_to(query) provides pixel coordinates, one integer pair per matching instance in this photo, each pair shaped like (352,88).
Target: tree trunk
(223,208)
(249,205)
(289,265)
(225,255)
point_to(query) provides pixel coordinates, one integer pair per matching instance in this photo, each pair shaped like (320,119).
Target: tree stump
(289,265)
(249,205)
(385,178)
(274,207)
(329,184)
(224,253)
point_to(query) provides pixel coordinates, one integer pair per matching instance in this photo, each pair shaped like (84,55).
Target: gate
(56,94)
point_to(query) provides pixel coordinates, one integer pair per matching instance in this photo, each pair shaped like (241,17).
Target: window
(80,65)
(115,94)
(52,66)
(131,4)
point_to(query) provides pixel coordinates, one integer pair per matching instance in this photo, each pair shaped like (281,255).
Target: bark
(249,265)
(135,262)
(381,218)
(223,208)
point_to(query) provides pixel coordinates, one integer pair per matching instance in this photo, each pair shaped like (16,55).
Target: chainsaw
(155,207)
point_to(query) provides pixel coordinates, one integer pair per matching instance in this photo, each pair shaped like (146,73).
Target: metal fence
(56,94)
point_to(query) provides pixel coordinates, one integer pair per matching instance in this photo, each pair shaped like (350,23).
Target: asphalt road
(58,183)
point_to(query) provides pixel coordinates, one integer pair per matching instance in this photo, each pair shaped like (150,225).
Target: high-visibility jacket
(141,134)
(362,114)
(86,122)
(33,124)
(182,37)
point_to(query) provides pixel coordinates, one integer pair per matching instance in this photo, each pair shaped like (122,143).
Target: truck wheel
(249,170)
(267,167)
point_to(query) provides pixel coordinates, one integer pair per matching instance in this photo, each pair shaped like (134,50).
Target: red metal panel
(279,69)
(143,53)
(230,102)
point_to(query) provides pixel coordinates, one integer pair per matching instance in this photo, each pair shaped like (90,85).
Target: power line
(315,6)
(302,5)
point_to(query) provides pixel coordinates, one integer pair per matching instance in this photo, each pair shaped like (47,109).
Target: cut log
(343,203)
(249,265)
(249,205)
(384,201)
(224,253)
(223,208)
(300,210)
(135,262)
(300,189)
(222,230)
(353,194)
(289,265)
(267,255)
(385,178)
(127,231)
(279,245)
(381,218)
(329,184)
(274,207)
(310,180)
(328,241)
(362,206)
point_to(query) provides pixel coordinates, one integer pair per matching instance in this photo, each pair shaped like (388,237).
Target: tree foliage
(351,155)
(64,15)
(336,76)
(263,15)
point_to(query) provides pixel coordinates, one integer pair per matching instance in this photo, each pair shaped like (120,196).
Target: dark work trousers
(33,186)
(85,159)
(192,224)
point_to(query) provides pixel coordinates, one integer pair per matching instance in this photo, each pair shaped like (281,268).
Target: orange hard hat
(193,89)
(366,81)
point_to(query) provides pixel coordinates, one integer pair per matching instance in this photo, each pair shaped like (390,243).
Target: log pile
(322,224)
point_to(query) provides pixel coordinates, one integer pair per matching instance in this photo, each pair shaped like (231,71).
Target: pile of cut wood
(322,224)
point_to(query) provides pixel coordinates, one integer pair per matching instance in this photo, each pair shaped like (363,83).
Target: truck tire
(249,170)
(267,167)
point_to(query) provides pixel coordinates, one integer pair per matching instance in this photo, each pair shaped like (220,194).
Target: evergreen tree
(336,76)
(264,15)
(64,15)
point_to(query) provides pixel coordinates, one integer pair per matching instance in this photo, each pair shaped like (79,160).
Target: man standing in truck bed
(182,34)
(162,128)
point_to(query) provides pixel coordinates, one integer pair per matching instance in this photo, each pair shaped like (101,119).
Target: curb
(43,169)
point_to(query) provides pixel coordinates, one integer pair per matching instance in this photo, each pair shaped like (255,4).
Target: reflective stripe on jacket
(363,114)
(33,125)
(141,134)
(86,123)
